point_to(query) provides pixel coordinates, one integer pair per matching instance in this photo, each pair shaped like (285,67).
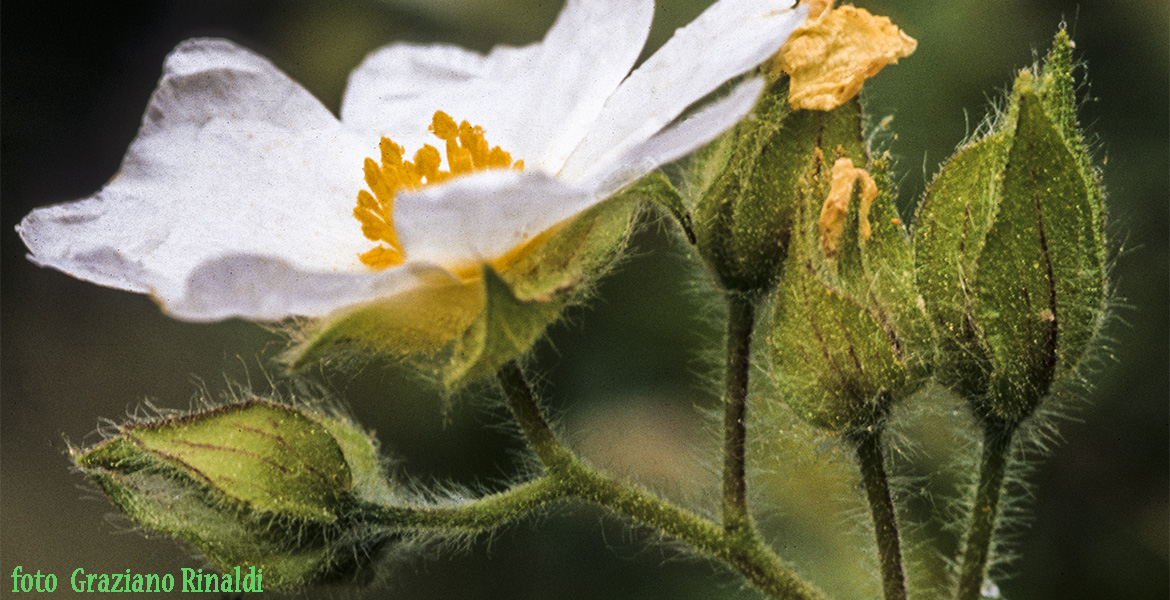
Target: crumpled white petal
(674,142)
(729,38)
(266,288)
(537,101)
(473,219)
(232,158)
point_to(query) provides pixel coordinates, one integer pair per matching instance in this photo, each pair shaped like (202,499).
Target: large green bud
(750,182)
(272,489)
(1010,249)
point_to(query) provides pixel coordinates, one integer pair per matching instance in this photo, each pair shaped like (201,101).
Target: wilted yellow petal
(831,55)
(816,8)
(836,207)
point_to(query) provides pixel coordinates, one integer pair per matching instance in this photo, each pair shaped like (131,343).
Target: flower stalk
(476,516)
(522,402)
(868,444)
(997,441)
(740,320)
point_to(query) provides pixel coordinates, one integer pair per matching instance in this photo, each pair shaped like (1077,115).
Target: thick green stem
(740,320)
(885,524)
(997,440)
(569,476)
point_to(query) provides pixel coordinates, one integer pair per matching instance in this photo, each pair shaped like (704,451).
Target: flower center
(467,152)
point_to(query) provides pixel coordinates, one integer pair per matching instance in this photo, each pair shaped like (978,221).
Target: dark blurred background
(631,373)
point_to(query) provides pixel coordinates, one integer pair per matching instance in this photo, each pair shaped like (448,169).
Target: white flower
(237,197)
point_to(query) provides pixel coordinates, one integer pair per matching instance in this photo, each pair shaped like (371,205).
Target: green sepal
(521,301)
(656,189)
(949,233)
(254,484)
(506,330)
(445,329)
(264,456)
(583,250)
(750,181)
(884,275)
(1040,284)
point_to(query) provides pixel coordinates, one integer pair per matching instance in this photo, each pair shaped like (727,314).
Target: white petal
(482,216)
(270,289)
(675,142)
(726,40)
(232,158)
(536,102)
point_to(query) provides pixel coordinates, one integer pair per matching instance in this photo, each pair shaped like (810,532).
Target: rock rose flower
(239,195)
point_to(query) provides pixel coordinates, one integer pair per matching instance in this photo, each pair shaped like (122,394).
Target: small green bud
(251,484)
(750,181)
(849,338)
(1010,249)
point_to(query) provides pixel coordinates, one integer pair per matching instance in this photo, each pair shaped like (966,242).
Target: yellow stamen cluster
(467,151)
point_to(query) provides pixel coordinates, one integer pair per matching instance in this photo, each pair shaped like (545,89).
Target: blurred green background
(631,373)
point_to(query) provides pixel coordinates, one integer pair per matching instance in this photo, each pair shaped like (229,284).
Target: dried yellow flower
(834,51)
(836,207)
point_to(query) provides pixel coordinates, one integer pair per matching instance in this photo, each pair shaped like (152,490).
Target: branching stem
(569,477)
(997,440)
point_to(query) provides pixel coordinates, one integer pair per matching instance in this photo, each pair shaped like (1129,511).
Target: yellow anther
(467,151)
(443,126)
(458,159)
(428,160)
(391,152)
(381,257)
(498,159)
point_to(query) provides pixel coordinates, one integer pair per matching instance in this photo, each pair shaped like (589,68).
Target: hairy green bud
(252,484)
(1010,249)
(849,337)
(752,180)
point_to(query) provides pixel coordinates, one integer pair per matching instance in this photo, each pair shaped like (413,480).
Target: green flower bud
(461,329)
(255,484)
(1010,249)
(849,336)
(751,180)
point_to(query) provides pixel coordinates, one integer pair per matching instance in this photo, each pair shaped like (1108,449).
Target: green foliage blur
(632,373)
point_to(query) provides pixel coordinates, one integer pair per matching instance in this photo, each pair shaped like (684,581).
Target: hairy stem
(997,440)
(474,516)
(742,550)
(740,320)
(522,402)
(868,443)
(570,477)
